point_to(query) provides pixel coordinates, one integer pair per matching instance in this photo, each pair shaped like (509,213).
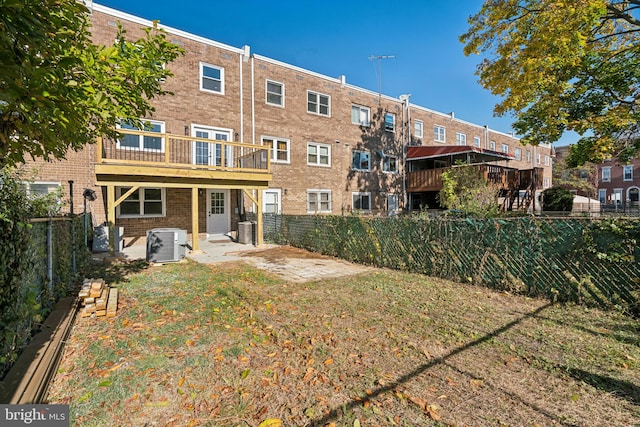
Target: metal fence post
(50,257)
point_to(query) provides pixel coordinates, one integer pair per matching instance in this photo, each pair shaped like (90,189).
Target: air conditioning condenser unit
(166,244)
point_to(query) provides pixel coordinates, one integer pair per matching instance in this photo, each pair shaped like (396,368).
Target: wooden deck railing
(167,150)
(506,178)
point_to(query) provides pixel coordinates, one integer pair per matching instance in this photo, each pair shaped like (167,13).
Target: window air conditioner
(166,244)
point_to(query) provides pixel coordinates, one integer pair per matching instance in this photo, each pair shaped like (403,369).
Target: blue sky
(336,38)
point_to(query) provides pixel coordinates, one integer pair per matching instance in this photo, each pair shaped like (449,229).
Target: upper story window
(547,160)
(538,158)
(390,164)
(505,148)
(143,142)
(476,141)
(360,115)
(528,155)
(318,103)
(627,173)
(492,145)
(275,93)
(606,174)
(390,122)
(211,78)
(360,160)
(280,148)
(461,138)
(318,154)
(439,134)
(143,202)
(518,153)
(418,129)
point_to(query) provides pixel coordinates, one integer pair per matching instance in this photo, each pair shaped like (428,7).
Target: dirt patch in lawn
(232,345)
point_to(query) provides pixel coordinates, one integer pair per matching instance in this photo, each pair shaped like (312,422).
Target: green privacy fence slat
(534,256)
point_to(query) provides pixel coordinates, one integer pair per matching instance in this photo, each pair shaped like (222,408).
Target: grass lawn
(231,345)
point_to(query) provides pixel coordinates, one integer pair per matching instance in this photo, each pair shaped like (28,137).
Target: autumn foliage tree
(564,65)
(59,91)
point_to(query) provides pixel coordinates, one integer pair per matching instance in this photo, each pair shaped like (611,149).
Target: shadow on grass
(620,388)
(334,413)
(626,333)
(115,271)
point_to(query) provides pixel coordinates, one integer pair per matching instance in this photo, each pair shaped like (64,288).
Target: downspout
(253,102)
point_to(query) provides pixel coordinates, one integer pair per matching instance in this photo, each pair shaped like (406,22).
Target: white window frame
(625,169)
(439,133)
(361,154)
(274,140)
(267,93)
(51,187)
(386,163)
(617,196)
(538,158)
(476,141)
(492,145)
(602,195)
(547,160)
(461,138)
(518,153)
(316,109)
(394,200)
(528,156)
(318,193)
(546,183)
(418,129)
(390,126)
(202,77)
(357,112)
(504,148)
(277,192)
(318,146)
(142,138)
(360,195)
(605,174)
(142,191)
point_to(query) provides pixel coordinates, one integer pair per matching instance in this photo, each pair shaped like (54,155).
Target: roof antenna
(379,58)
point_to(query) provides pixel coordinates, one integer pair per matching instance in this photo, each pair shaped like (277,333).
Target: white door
(209,153)
(218,211)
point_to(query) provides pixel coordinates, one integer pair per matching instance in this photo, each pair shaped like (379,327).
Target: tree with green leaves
(464,189)
(564,65)
(59,91)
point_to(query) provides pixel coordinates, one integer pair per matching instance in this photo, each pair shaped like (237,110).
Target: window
(584,174)
(418,127)
(271,201)
(390,122)
(211,78)
(617,196)
(602,195)
(392,203)
(461,138)
(360,115)
(518,153)
(546,160)
(528,155)
(476,141)
(275,93)
(492,145)
(360,160)
(279,148)
(361,201)
(319,201)
(627,173)
(142,142)
(41,188)
(390,164)
(505,148)
(318,103)
(546,183)
(211,153)
(538,157)
(318,154)
(144,202)
(606,174)
(439,133)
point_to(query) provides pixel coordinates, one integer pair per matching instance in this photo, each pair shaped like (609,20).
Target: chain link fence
(563,259)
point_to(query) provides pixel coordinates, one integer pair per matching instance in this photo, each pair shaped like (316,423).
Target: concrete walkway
(292,264)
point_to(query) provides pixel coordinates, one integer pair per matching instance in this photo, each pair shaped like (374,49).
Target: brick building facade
(335,148)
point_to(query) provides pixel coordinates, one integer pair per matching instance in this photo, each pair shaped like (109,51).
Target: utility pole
(379,58)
